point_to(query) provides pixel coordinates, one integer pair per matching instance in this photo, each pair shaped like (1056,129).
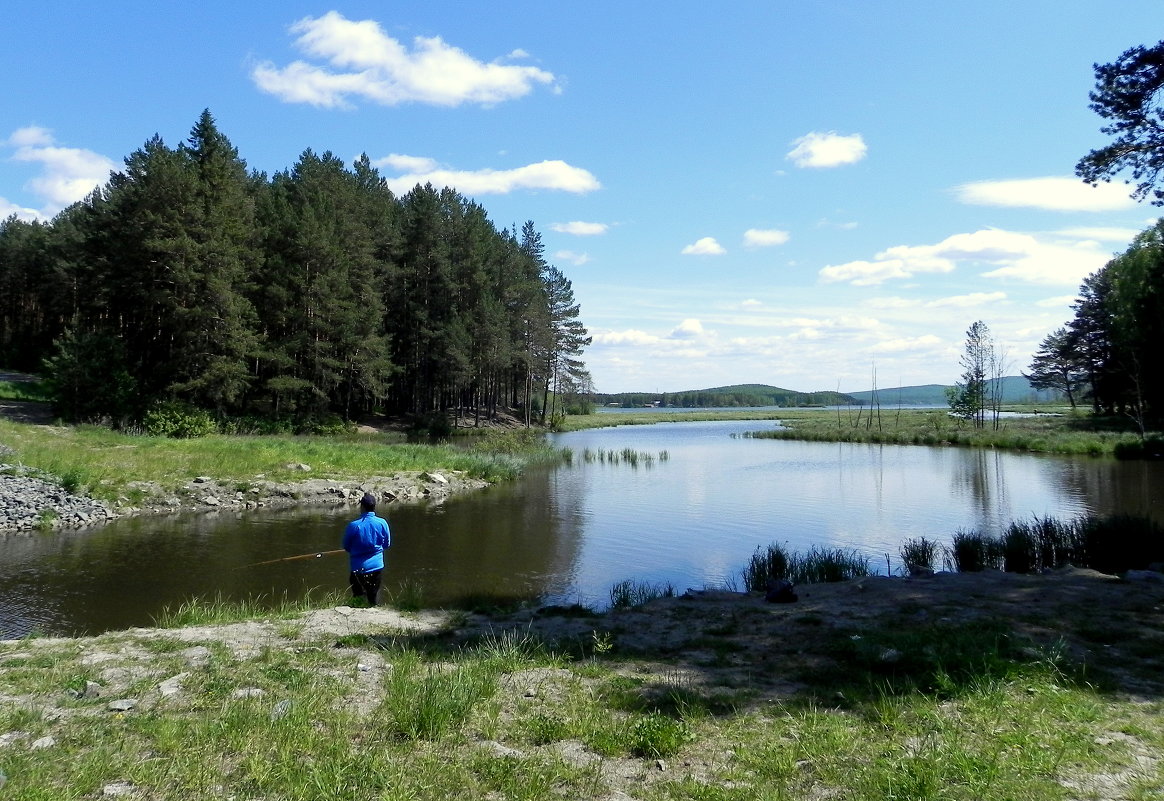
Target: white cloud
(8,209)
(762,238)
(967,301)
(577,259)
(31,136)
(827,149)
(360,61)
(751,303)
(552,175)
(924,342)
(1102,234)
(416,165)
(1050,193)
(1056,302)
(578,228)
(707,246)
(67,174)
(688,329)
(1019,256)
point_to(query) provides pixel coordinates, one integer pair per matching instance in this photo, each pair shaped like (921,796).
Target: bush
(178,420)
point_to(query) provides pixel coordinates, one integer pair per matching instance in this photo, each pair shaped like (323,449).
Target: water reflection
(568,534)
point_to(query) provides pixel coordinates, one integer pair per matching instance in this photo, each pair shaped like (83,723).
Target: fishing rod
(295,558)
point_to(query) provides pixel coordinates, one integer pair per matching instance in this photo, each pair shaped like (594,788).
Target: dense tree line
(1108,353)
(309,293)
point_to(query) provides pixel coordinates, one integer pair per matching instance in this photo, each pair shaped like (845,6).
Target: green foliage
(88,377)
(178,420)
(654,736)
(311,293)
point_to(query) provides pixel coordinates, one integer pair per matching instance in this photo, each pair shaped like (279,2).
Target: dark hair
(368,502)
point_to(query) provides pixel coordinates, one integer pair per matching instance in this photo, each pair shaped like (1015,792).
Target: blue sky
(804,194)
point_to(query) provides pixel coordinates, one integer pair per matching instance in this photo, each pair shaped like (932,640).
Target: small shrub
(655,736)
(178,420)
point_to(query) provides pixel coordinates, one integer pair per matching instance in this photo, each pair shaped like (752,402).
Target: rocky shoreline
(30,503)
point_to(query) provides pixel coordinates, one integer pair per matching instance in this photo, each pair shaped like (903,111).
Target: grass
(24,391)
(1113,544)
(816,566)
(961,711)
(219,610)
(1068,433)
(105,463)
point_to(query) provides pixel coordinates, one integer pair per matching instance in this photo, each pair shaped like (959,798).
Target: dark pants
(366,585)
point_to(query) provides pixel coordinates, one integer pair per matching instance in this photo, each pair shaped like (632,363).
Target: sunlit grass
(103,461)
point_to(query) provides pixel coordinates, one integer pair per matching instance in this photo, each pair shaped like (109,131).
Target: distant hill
(735,395)
(1015,389)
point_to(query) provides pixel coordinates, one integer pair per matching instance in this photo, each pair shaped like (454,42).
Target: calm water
(569,533)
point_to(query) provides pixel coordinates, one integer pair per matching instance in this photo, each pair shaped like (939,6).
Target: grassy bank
(900,705)
(104,462)
(1043,433)
(1062,432)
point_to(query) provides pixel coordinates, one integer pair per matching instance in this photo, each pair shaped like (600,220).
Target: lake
(567,534)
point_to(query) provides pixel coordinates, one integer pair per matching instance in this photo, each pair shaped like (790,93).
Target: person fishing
(365,539)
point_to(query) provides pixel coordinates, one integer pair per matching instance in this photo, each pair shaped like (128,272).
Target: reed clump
(819,565)
(1113,544)
(632,593)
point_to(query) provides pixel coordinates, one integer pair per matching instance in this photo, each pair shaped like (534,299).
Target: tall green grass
(1112,544)
(103,461)
(819,565)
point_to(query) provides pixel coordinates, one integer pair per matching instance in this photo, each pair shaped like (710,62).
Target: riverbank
(983,686)
(72,476)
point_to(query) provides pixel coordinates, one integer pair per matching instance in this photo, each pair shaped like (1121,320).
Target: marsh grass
(918,553)
(631,593)
(816,566)
(627,456)
(1113,544)
(1068,434)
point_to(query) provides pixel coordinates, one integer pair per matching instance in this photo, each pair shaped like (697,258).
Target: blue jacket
(365,540)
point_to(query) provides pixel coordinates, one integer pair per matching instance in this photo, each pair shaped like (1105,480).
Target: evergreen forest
(316,293)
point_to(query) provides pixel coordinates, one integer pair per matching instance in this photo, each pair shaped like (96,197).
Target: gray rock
(281,709)
(43,742)
(172,685)
(117,789)
(122,704)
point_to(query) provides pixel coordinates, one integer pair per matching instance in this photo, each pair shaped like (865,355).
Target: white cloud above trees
(67,174)
(579,228)
(550,175)
(357,60)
